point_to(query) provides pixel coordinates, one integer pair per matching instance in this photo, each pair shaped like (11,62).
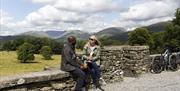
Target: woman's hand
(89,58)
(84,66)
(89,61)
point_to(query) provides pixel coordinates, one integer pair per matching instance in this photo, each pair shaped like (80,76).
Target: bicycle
(159,63)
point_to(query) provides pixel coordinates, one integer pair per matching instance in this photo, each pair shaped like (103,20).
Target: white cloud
(89,24)
(11,27)
(146,13)
(50,15)
(44,1)
(88,6)
(85,6)
(130,24)
(5,23)
(4,18)
(149,10)
(93,23)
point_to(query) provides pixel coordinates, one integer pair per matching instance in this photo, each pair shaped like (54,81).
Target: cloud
(146,13)
(88,6)
(50,15)
(131,24)
(149,10)
(5,23)
(83,6)
(11,27)
(44,1)
(89,23)
(93,23)
(5,18)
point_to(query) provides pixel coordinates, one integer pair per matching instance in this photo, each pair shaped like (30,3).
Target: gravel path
(165,81)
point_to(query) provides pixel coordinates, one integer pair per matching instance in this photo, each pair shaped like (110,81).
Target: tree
(46,52)
(25,53)
(56,47)
(6,46)
(157,42)
(80,44)
(176,21)
(140,36)
(172,33)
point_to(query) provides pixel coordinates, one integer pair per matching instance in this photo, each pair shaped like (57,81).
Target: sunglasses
(91,39)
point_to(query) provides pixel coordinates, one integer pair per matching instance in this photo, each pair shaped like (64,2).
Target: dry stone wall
(126,60)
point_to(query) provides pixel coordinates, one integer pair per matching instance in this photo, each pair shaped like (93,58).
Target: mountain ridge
(115,33)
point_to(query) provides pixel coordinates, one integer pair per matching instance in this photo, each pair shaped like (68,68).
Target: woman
(91,53)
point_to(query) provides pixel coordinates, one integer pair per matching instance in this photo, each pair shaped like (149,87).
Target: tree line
(38,43)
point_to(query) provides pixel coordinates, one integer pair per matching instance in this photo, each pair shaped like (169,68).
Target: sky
(18,16)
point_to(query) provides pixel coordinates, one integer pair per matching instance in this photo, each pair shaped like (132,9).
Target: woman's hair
(94,38)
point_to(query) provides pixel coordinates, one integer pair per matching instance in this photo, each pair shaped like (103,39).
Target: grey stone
(33,89)
(58,86)
(21,89)
(21,81)
(46,89)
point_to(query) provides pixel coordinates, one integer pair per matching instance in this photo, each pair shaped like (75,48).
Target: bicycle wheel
(156,67)
(173,64)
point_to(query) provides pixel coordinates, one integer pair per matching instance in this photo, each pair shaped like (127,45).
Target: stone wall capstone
(51,80)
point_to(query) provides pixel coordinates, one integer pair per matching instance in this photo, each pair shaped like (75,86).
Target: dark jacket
(68,58)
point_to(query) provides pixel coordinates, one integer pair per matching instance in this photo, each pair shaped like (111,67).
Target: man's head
(72,40)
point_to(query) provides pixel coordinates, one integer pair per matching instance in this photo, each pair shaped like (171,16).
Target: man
(70,64)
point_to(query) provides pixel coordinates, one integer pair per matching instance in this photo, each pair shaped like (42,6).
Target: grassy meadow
(9,65)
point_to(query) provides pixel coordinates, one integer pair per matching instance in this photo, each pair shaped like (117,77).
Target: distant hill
(118,33)
(80,35)
(6,38)
(50,34)
(110,32)
(35,34)
(114,33)
(157,27)
(54,34)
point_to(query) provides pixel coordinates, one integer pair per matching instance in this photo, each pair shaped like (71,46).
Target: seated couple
(79,69)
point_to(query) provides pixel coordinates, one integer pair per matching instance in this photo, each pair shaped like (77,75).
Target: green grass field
(9,65)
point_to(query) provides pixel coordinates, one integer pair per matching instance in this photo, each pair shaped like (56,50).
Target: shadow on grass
(47,59)
(33,62)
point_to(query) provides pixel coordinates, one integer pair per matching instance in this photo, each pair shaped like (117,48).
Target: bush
(46,52)
(80,44)
(140,36)
(25,53)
